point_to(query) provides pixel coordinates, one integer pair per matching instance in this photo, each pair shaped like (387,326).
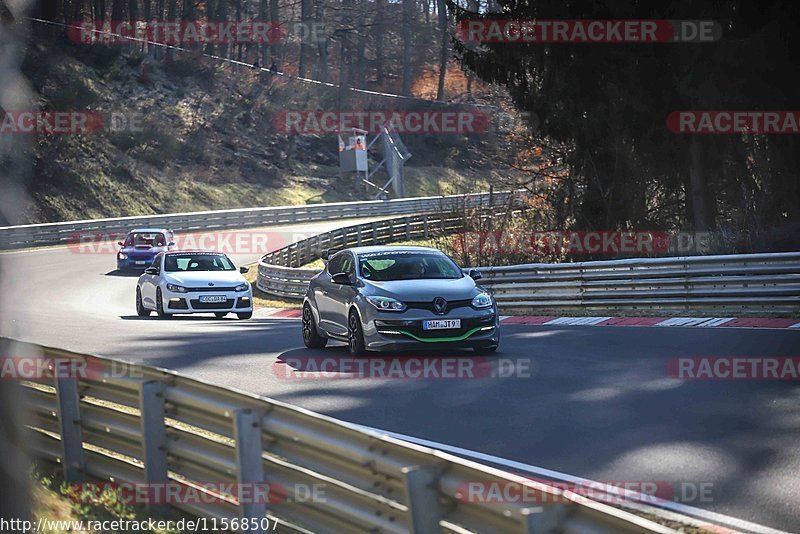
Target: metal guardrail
(34,235)
(133,424)
(744,282)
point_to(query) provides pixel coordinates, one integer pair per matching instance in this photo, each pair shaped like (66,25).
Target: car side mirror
(151,270)
(475,274)
(120,243)
(342,279)
(171,244)
(244,270)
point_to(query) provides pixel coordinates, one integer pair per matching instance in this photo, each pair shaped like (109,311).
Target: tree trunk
(379,29)
(698,200)
(444,49)
(361,44)
(305,46)
(322,46)
(408,13)
(275,47)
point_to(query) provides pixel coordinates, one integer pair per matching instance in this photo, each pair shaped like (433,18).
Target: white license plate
(213,298)
(141,263)
(441,324)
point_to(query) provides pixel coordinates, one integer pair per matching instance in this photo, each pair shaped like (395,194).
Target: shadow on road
(124,274)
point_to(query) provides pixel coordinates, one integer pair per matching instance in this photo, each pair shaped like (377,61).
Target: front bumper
(134,264)
(237,302)
(391,332)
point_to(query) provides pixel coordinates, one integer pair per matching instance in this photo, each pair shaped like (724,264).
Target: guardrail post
(539,519)
(69,420)
(154,439)
(249,465)
(425,226)
(408,228)
(422,496)
(358,236)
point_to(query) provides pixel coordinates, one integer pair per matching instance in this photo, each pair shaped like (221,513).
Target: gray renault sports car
(392,298)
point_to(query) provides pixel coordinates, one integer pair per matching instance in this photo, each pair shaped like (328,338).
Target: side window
(348,265)
(157,262)
(335,265)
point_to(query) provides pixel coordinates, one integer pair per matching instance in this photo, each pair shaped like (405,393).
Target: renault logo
(440,305)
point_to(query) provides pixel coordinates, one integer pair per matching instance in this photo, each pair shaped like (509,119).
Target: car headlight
(387,304)
(242,287)
(176,289)
(482,300)
(122,256)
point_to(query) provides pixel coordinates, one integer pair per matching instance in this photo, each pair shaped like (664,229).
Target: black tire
(311,337)
(141,311)
(355,335)
(220,315)
(485,350)
(160,305)
(244,315)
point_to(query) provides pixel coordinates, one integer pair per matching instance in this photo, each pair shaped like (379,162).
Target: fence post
(423,499)
(249,465)
(154,439)
(69,420)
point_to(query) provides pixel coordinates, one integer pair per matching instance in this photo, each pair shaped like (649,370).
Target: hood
(142,249)
(426,290)
(202,278)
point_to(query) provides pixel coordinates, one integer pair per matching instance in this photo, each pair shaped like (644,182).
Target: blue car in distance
(141,246)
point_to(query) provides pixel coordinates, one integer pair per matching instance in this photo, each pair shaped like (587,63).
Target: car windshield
(145,239)
(386,266)
(198,262)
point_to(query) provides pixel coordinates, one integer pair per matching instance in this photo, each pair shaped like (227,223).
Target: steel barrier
(136,425)
(34,235)
(743,282)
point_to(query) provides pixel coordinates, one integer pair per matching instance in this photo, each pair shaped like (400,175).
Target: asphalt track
(595,402)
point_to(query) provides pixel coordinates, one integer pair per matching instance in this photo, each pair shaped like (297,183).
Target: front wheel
(160,305)
(355,335)
(141,311)
(311,337)
(244,315)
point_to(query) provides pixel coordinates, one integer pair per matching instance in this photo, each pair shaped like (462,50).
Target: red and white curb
(701,322)
(551,320)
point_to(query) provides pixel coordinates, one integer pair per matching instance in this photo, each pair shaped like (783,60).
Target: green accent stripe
(442,339)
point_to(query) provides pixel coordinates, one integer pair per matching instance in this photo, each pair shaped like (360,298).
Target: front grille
(197,305)
(208,289)
(415,327)
(451,305)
